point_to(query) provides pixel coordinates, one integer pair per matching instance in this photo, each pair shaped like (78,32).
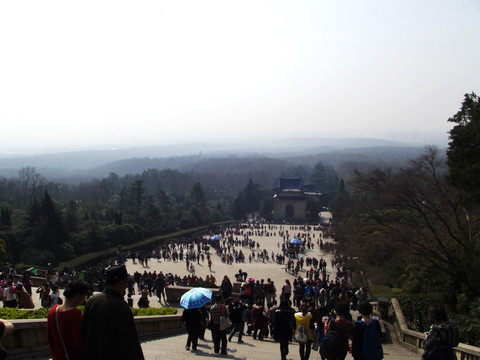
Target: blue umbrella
(195,298)
(295,241)
(215,237)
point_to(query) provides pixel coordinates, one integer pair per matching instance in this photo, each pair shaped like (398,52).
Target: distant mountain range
(187,157)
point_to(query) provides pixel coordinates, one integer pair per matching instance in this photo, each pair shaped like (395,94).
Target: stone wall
(414,339)
(29,339)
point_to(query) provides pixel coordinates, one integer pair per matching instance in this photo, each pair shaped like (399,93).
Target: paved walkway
(256,269)
(173,348)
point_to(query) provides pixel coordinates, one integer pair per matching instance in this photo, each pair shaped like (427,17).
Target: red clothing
(70,323)
(345,327)
(258,318)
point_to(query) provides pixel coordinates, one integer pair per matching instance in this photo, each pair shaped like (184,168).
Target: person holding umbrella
(193,321)
(192,316)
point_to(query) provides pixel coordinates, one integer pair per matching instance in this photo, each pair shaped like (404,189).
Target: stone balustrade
(414,339)
(29,339)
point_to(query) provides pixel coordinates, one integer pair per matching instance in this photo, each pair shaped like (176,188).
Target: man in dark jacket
(108,323)
(236,315)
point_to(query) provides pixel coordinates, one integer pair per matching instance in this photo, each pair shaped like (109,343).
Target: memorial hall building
(290,199)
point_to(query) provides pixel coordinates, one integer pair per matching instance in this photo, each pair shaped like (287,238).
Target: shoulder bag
(60,333)
(225,322)
(301,336)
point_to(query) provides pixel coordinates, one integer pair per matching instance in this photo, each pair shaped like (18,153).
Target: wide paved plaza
(173,347)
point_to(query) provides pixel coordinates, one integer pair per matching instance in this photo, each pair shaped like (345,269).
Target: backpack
(308,293)
(372,346)
(267,289)
(331,347)
(301,336)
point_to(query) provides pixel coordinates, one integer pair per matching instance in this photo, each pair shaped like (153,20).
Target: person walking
(298,292)
(304,319)
(143,302)
(159,285)
(219,337)
(259,320)
(283,325)
(361,295)
(24,300)
(9,298)
(236,314)
(269,290)
(204,312)
(343,325)
(286,290)
(64,324)
(193,321)
(226,287)
(366,342)
(108,324)
(55,297)
(44,294)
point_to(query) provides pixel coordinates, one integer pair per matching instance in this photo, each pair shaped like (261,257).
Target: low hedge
(384,291)
(154,311)
(148,243)
(14,314)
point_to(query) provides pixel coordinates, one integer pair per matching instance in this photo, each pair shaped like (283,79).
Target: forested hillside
(417,226)
(51,219)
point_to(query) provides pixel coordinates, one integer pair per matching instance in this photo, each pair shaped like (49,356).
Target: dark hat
(115,273)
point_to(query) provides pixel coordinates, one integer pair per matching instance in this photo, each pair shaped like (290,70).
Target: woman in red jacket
(259,320)
(69,324)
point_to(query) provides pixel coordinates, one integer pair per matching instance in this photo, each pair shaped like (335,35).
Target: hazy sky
(116,73)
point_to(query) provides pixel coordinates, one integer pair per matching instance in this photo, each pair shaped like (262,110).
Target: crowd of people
(149,284)
(309,323)
(16,289)
(15,293)
(312,309)
(235,242)
(230,247)
(267,309)
(291,314)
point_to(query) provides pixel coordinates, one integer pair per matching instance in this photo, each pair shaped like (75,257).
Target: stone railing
(414,339)
(29,339)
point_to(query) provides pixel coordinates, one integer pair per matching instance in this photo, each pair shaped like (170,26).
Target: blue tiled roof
(310,188)
(290,183)
(295,185)
(290,198)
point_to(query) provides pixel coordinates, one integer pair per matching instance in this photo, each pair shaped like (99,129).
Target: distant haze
(119,74)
